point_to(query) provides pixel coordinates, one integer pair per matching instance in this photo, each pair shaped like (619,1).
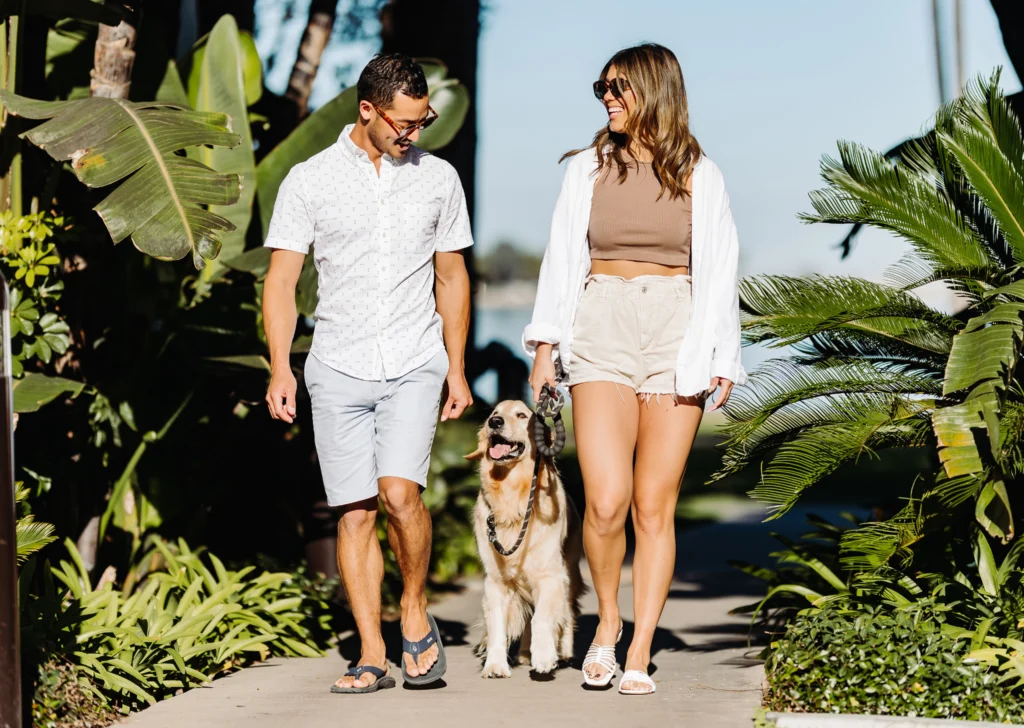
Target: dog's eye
(523,416)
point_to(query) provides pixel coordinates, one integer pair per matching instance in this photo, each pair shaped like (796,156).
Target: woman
(637,307)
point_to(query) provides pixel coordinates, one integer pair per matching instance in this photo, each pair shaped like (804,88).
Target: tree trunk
(115,56)
(311,51)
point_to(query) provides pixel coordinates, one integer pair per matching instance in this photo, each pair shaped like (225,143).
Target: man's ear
(366,110)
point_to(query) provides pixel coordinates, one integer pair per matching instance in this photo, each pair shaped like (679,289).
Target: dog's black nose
(496,422)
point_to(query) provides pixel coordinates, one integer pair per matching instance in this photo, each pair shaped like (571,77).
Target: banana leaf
(161,204)
(218,83)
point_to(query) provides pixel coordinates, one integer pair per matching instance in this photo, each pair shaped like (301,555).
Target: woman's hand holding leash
(724,387)
(543,371)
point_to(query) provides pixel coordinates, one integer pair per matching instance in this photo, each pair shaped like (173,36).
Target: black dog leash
(549,407)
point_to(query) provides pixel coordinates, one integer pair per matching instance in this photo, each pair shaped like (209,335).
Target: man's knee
(357,518)
(401,498)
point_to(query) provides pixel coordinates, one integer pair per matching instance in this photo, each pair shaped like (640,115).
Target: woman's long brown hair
(660,123)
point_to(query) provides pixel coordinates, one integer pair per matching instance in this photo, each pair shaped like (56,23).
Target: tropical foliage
(136,378)
(836,660)
(876,367)
(180,619)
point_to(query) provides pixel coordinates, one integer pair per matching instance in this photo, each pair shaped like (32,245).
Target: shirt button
(643,289)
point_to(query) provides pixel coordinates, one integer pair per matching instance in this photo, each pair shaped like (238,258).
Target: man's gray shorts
(368,430)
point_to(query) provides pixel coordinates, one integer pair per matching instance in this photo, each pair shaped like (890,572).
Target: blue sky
(772,86)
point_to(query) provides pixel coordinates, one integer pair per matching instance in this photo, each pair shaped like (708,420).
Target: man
(388,223)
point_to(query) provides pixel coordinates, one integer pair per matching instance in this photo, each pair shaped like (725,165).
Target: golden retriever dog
(534,593)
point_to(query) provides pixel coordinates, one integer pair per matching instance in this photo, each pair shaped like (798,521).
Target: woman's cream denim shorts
(629,331)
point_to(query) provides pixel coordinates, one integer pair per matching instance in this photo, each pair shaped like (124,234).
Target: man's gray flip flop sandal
(415,649)
(383,682)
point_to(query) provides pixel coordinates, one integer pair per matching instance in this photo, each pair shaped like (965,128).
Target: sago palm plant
(875,366)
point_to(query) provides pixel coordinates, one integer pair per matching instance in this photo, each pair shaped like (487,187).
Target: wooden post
(10,648)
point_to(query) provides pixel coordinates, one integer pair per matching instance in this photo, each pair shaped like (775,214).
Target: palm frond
(784,310)
(783,398)
(32,536)
(853,346)
(954,492)
(868,188)
(1011,438)
(818,452)
(880,543)
(988,107)
(910,273)
(995,180)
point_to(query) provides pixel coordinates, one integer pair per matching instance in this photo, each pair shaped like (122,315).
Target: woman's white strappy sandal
(603,656)
(637,676)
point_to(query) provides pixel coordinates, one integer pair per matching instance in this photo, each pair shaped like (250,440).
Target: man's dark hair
(388,74)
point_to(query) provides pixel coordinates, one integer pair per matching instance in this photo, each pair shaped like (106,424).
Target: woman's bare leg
(605,417)
(665,438)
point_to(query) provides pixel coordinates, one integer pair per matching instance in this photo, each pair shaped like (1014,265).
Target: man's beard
(382,144)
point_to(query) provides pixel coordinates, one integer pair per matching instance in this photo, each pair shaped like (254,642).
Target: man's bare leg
(409,533)
(362,570)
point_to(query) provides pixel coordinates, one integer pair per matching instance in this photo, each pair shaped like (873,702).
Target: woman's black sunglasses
(618,86)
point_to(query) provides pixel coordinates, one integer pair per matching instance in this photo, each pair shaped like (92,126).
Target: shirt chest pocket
(417,215)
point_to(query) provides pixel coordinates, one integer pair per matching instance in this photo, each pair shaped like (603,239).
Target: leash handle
(549,407)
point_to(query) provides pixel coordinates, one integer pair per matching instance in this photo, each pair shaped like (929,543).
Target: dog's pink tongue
(497,452)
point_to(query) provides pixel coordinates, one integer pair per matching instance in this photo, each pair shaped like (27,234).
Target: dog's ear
(477,454)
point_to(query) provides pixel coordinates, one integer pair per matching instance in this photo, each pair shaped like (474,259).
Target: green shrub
(64,698)
(31,265)
(884,661)
(180,619)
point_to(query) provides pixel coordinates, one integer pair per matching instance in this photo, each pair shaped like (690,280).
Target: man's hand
(281,395)
(459,396)
(543,371)
(724,387)
(279,318)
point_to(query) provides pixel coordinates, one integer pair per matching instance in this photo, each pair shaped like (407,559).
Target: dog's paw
(543,656)
(543,667)
(524,658)
(496,669)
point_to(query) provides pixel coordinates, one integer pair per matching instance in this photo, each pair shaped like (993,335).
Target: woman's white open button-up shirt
(711,345)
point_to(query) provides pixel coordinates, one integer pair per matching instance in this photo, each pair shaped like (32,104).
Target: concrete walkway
(704,672)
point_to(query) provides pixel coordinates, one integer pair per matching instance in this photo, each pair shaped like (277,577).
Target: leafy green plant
(63,697)
(876,367)
(223,79)
(161,209)
(884,661)
(806,573)
(181,619)
(31,535)
(31,262)
(984,595)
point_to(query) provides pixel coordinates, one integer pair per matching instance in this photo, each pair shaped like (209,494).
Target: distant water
(505,325)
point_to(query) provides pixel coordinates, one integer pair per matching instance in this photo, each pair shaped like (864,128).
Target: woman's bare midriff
(633,269)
